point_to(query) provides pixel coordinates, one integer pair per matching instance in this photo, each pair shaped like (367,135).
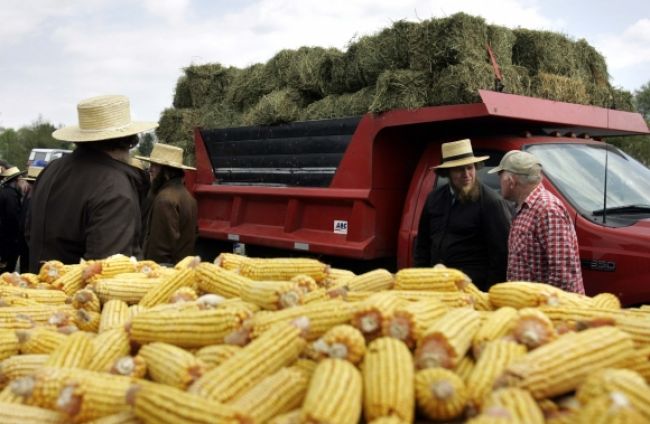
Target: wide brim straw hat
(10,174)
(32,173)
(103,118)
(167,155)
(458,153)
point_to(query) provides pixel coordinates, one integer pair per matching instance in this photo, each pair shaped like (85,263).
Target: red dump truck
(351,191)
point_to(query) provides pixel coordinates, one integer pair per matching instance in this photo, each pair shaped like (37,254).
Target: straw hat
(11,173)
(32,173)
(103,118)
(166,154)
(458,153)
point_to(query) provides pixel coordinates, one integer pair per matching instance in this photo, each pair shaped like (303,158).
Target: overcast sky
(55,52)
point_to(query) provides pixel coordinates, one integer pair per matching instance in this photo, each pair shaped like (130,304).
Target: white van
(41,157)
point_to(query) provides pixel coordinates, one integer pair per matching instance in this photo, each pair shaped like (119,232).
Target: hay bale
(311,71)
(221,115)
(401,89)
(340,105)
(248,87)
(592,67)
(545,51)
(438,43)
(176,126)
(515,80)
(501,40)
(207,84)
(182,95)
(622,100)
(346,76)
(460,83)
(279,106)
(560,88)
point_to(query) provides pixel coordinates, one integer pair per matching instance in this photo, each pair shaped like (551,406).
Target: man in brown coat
(86,205)
(171,216)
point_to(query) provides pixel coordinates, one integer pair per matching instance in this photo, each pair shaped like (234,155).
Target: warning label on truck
(340,227)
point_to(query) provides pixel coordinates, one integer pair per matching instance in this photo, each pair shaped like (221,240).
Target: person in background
(543,246)
(464,224)
(10,207)
(32,174)
(86,205)
(4,165)
(171,217)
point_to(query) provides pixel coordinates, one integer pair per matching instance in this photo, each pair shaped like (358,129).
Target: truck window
(578,172)
(491,180)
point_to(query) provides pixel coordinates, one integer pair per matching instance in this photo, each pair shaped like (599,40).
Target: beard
(467,194)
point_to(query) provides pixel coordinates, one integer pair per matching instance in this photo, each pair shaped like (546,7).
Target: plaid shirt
(543,246)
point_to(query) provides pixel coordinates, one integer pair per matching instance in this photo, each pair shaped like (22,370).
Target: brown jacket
(172,224)
(85,205)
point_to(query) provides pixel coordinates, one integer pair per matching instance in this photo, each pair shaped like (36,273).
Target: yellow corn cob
(496,356)
(339,275)
(188,262)
(214,355)
(562,365)
(42,296)
(456,299)
(135,310)
(306,366)
(334,394)
(353,296)
(409,321)
(8,396)
(342,342)
(440,393)
(171,365)
(272,295)
(92,395)
(610,381)
(130,366)
(305,282)
(126,417)
(236,303)
(519,403)
(274,349)
(115,313)
(115,265)
(188,328)
(437,278)
(183,294)
(642,364)
(214,279)
(75,352)
(370,314)
(11,300)
(161,292)
(322,316)
(533,328)
(230,261)
(387,373)
(480,299)
(11,413)
(107,347)
(19,366)
(38,314)
(280,392)
(498,324)
(610,408)
(174,307)
(50,271)
(448,339)
(88,320)
(147,267)
(39,340)
(283,269)
(129,290)
(159,403)
(318,295)
(19,280)
(9,344)
(374,281)
(16,322)
(607,301)
(520,294)
(291,417)
(86,299)
(465,367)
(72,281)
(387,420)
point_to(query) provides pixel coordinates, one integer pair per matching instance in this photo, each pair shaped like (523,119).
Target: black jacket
(472,237)
(10,232)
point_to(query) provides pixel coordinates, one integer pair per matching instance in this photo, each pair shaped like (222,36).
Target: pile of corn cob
(291,340)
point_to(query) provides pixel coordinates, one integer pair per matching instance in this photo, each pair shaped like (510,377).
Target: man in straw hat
(464,224)
(543,245)
(32,174)
(10,206)
(171,218)
(86,205)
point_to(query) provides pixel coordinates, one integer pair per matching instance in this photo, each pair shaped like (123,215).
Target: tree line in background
(15,145)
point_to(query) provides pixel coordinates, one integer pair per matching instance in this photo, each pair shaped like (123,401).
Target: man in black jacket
(464,224)
(10,204)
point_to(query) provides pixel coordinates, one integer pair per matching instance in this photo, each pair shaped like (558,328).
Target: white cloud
(629,48)
(173,11)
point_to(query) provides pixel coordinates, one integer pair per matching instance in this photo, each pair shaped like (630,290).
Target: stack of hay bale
(409,65)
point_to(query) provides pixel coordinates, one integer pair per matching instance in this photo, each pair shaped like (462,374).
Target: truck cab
(41,157)
(354,188)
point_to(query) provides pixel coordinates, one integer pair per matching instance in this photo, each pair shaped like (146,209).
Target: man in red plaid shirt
(542,245)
